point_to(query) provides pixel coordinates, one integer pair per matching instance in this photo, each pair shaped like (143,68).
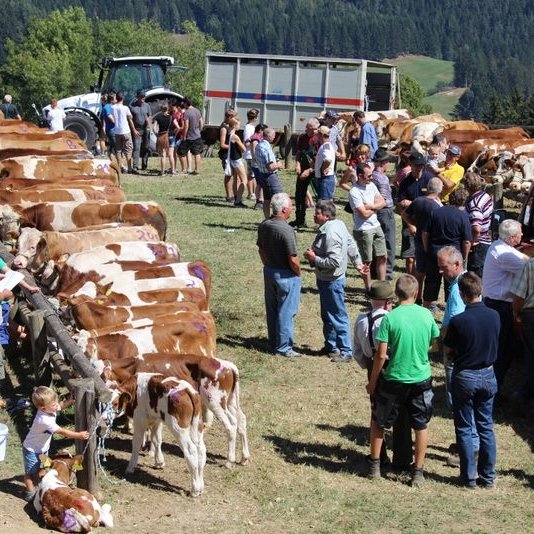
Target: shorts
(369,242)
(172,141)
(112,145)
(195,146)
(407,244)
(123,144)
(101,134)
(236,163)
(32,463)
(250,170)
(389,396)
(162,143)
(271,185)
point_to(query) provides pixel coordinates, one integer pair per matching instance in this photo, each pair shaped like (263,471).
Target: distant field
(428,72)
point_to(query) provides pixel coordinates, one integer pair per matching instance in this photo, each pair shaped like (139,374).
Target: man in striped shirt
(479,208)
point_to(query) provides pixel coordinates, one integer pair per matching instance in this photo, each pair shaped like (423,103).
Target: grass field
(429,72)
(307,419)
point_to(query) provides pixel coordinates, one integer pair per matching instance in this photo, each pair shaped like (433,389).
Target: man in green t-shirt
(408,330)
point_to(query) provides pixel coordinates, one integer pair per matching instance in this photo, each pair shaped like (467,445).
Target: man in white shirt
(324,166)
(503,262)
(124,128)
(56,116)
(365,201)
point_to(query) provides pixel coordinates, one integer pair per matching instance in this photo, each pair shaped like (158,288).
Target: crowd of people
(446,234)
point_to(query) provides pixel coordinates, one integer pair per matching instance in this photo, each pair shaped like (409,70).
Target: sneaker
(239,205)
(341,358)
(230,200)
(124,170)
(258,205)
(418,478)
(29,495)
(374,468)
(252,196)
(194,173)
(134,171)
(289,354)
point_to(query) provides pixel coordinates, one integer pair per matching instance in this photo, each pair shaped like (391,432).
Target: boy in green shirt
(409,330)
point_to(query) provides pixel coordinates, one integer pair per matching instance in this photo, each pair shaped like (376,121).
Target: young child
(435,157)
(38,439)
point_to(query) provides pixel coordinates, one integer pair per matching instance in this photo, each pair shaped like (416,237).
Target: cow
(152,399)
(73,192)
(64,508)
(470,136)
(58,168)
(465,125)
(93,314)
(17,152)
(67,216)
(216,380)
(194,274)
(145,292)
(18,184)
(20,127)
(39,251)
(188,332)
(63,140)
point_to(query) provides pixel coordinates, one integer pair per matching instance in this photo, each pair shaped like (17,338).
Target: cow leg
(191,454)
(213,398)
(137,442)
(156,439)
(235,408)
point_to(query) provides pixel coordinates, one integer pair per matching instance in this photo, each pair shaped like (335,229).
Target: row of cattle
(503,155)
(140,313)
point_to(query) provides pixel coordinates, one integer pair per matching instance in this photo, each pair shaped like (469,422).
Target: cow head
(63,463)
(30,244)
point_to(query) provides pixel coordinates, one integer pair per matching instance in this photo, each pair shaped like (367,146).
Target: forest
(489,41)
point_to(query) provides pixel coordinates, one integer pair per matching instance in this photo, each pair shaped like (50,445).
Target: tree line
(489,41)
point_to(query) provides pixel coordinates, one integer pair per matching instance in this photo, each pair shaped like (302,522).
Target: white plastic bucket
(4,431)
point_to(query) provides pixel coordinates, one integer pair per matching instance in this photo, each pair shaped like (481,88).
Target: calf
(64,508)
(152,399)
(217,381)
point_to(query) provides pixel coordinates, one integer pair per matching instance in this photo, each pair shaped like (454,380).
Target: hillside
(431,74)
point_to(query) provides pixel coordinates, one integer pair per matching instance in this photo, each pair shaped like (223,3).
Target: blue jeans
(326,185)
(282,297)
(473,393)
(336,327)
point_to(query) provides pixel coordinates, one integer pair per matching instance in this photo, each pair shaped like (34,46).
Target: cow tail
(197,426)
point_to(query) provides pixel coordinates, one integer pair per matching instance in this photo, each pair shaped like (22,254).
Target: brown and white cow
(216,380)
(67,216)
(145,292)
(190,332)
(38,251)
(64,508)
(58,168)
(193,274)
(92,314)
(42,140)
(153,399)
(17,152)
(73,192)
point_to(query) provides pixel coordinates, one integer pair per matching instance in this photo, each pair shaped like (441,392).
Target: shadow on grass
(332,458)
(209,202)
(248,227)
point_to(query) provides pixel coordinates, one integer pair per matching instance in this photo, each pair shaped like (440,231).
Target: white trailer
(289,90)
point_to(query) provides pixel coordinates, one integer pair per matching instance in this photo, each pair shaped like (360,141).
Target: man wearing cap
(141,118)
(365,202)
(367,132)
(364,346)
(329,253)
(413,186)
(451,173)
(324,166)
(386,217)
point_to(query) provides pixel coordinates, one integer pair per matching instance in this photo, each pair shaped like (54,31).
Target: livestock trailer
(289,90)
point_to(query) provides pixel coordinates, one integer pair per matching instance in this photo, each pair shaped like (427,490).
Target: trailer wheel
(83,127)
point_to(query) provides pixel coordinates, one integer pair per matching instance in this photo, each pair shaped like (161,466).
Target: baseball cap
(331,115)
(417,159)
(455,150)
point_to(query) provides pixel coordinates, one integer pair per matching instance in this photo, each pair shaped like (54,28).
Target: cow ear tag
(108,292)
(77,466)
(47,463)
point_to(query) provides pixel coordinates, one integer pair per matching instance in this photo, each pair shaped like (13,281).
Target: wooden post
(37,325)
(288,134)
(85,418)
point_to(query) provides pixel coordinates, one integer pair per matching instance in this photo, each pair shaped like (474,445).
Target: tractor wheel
(83,126)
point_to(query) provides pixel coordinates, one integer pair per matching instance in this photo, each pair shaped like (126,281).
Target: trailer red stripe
(219,94)
(349,102)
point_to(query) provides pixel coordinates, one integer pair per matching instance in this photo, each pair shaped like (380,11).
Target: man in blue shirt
(367,133)
(471,342)
(267,169)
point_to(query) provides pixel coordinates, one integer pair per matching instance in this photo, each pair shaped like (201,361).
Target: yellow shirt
(455,174)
